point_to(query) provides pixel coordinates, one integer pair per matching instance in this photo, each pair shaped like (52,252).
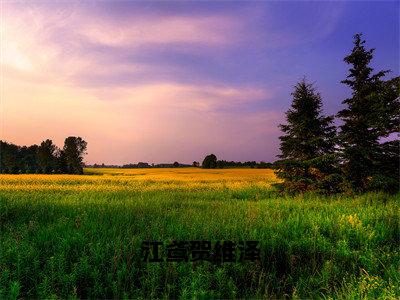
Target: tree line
(45,158)
(211,162)
(362,155)
(140,165)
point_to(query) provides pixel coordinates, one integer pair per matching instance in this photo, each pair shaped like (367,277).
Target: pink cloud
(158,121)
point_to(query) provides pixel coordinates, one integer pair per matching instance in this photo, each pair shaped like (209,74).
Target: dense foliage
(46,158)
(308,160)
(372,113)
(211,162)
(364,155)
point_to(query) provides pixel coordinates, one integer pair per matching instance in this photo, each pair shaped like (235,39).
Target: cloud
(168,121)
(147,86)
(210,30)
(67,40)
(78,45)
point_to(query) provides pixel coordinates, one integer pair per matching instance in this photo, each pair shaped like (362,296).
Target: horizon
(160,82)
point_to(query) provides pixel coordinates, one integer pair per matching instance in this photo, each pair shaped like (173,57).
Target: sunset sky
(174,81)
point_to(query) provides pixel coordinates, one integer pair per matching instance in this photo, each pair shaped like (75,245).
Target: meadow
(80,236)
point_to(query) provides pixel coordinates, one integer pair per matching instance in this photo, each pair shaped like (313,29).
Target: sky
(174,81)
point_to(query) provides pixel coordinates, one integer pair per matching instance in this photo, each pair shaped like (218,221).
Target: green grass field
(65,236)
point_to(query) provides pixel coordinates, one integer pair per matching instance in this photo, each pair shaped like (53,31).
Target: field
(70,236)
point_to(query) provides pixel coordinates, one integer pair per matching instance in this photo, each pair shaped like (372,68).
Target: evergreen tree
(308,144)
(370,114)
(386,170)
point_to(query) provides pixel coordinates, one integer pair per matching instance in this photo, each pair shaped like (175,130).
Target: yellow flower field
(142,179)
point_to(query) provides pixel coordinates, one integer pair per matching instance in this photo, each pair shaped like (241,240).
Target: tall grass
(60,237)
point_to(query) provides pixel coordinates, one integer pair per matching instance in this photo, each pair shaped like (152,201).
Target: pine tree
(386,171)
(366,118)
(308,145)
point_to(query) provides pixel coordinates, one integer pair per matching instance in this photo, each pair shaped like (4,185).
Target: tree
(8,158)
(73,151)
(61,162)
(195,164)
(308,144)
(370,114)
(142,165)
(175,164)
(46,157)
(385,112)
(28,159)
(386,174)
(210,162)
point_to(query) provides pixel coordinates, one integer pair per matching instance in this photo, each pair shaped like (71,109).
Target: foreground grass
(80,236)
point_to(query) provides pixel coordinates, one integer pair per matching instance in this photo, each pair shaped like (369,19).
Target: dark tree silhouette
(308,144)
(62,166)
(209,162)
(9,157)
(46,157)
(370,114)
(28,159)
(74,150)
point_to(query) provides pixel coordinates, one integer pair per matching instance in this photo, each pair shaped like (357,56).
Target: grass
(65,236)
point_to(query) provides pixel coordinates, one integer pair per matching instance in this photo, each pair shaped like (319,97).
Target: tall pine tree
(370,114)
(386,171)
(308,144)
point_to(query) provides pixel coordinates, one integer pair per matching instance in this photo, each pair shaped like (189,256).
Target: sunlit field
(71,236)
(142,179)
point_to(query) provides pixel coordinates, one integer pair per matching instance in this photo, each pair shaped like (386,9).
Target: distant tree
(209,162)
(308,144)
(73,152)
(370,114)
(9,157)
(264,165)
(46,157)
(221,164)
(61,162)
(195,164)
(175,164)
(142,165)
(28,159)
